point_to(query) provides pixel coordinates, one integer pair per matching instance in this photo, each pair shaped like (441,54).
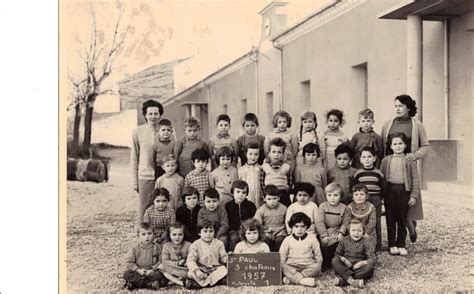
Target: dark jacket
(189,219)
(238,213)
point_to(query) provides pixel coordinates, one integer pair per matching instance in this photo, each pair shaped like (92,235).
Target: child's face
(176,235)
(302,197)
(170,167)
(356,231)
(191,132)
(152,115)
(225,161)
(251,236)
(165,132)
(191,201)
(343,160)
(311,158)
(367,159)
(252,155)
(145,236)
(359,197)
(366,123)
(282,124)
(250,128)
(272,200)
(308,124)
(333,123)
(276,153)
(223,127)
(239,195)
(333,197)
(160,202)
(207,234)
(299,229)
(398,146)
(211,203)
(200,164)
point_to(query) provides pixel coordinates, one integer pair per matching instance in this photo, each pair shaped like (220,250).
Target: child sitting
(366,137)
(252,173)
(300,254)
(251,136)
(303,204)
(224,175)
(354,258)
(343,172)
(310,171)
(187,214)
(163,146)
(159,215)
(199,176)
(171,180)
(329,223)
(272,217)
(174,254)
(251,233)
(207,258)
(142,262)
(214,212)
(223,138)
(238,210)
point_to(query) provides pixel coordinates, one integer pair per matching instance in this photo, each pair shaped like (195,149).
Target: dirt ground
(100,231)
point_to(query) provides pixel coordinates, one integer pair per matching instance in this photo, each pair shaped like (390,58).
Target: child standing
(207,257)
(252,174)
(238,210)
(333,136)
(329,223)
(142,261)
(160,215)
(308,134)
(199,177)
(184,148)
(276,171)
(224,175)
(164,146)
(281,123)
(187,214)
(366,137)
(343,172)
(214,212)
(374,180)
(300,254)
(222,139)
(354,258)
(171,181)
(251,233)
(403,190)
(303,192)
(272,216)
(174,254)
(310,172)
(250,125)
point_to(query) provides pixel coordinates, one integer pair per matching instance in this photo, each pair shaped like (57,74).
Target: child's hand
(148,272)
(360,264)
(201,275)
(346,262)
(366,236)
(412,201)
(141,271)
(182,262)
(339,237)
(325,240)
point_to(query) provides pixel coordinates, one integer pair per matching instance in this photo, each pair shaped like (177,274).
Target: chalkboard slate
(257,269)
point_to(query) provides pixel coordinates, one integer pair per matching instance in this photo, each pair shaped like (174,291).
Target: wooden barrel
(95,171)
(87,170)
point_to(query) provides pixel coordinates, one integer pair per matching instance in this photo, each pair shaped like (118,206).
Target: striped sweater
(373,179)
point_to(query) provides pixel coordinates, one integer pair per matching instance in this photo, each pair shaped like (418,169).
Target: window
(243,106)
(362,83)
(224,109)
(306,97)
(269,106)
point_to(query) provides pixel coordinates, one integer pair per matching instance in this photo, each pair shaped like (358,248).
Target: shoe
(155,285)
(394,251)
(339,282)
(359,283)
(191,285)
(310,282)
(402,251)
(286,281)
(128,285)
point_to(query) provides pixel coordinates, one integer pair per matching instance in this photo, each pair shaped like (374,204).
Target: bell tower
(273,22)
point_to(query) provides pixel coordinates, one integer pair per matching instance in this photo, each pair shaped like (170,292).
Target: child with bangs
(310,171)
(251,234)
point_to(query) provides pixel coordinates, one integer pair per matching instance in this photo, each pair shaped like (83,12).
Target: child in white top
(308,134)
(172,181)
(303,204)
(252,174)
(251,233)
(224,175)
(333,136)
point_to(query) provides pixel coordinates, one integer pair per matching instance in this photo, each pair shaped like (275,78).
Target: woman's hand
(339,237)
(410,157)
(412,201)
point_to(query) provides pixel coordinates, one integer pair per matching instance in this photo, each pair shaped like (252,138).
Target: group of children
(314,198)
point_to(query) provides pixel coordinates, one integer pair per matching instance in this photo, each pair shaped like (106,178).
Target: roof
(429,9)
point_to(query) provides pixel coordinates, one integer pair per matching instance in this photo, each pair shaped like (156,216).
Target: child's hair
(368,149)
(298,218)
(169,157)
(189,191)
(151,103)
(206,223)
(304,187)
(283,114)
(224,151)
(159,192)
(344,148)
(164,122)
(409,102)
(211,193)
(311,148)
(271,190)
(239,184)
(251,224)
(192,122)
(250,117)
(279,142)
(223,117)
(307,115)
(144,226)
(200,154)
(360,187)
(397,135)
(252,145)
(175,225)
(366,113)
(333,187)
(337,113)
(355,221)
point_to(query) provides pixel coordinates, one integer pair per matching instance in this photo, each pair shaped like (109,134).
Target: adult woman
(142,154)
(417,148)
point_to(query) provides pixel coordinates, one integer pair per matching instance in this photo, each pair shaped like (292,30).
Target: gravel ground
(100,220)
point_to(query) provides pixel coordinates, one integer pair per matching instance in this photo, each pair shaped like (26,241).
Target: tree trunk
(75,134)
(86,146)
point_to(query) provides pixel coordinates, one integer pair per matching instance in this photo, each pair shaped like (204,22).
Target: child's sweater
(174,184)
(160,220)
(312,137)
(291,141)
(221,179)
(182,151)
(329,220)
(272,219)
(163,148)
(253,176)
(218,216)
(310,209)
(331,141)
(198,180)
(172,254)
(373,179)
(208,255)
(342,177)
(354,251)
(316,175)
(237,213)
(365,213)
(189,218)
(363,139)
(143,256)
(242,143)
(300,251)
(277,174)
(217,142)
(409,174)
(246,247)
